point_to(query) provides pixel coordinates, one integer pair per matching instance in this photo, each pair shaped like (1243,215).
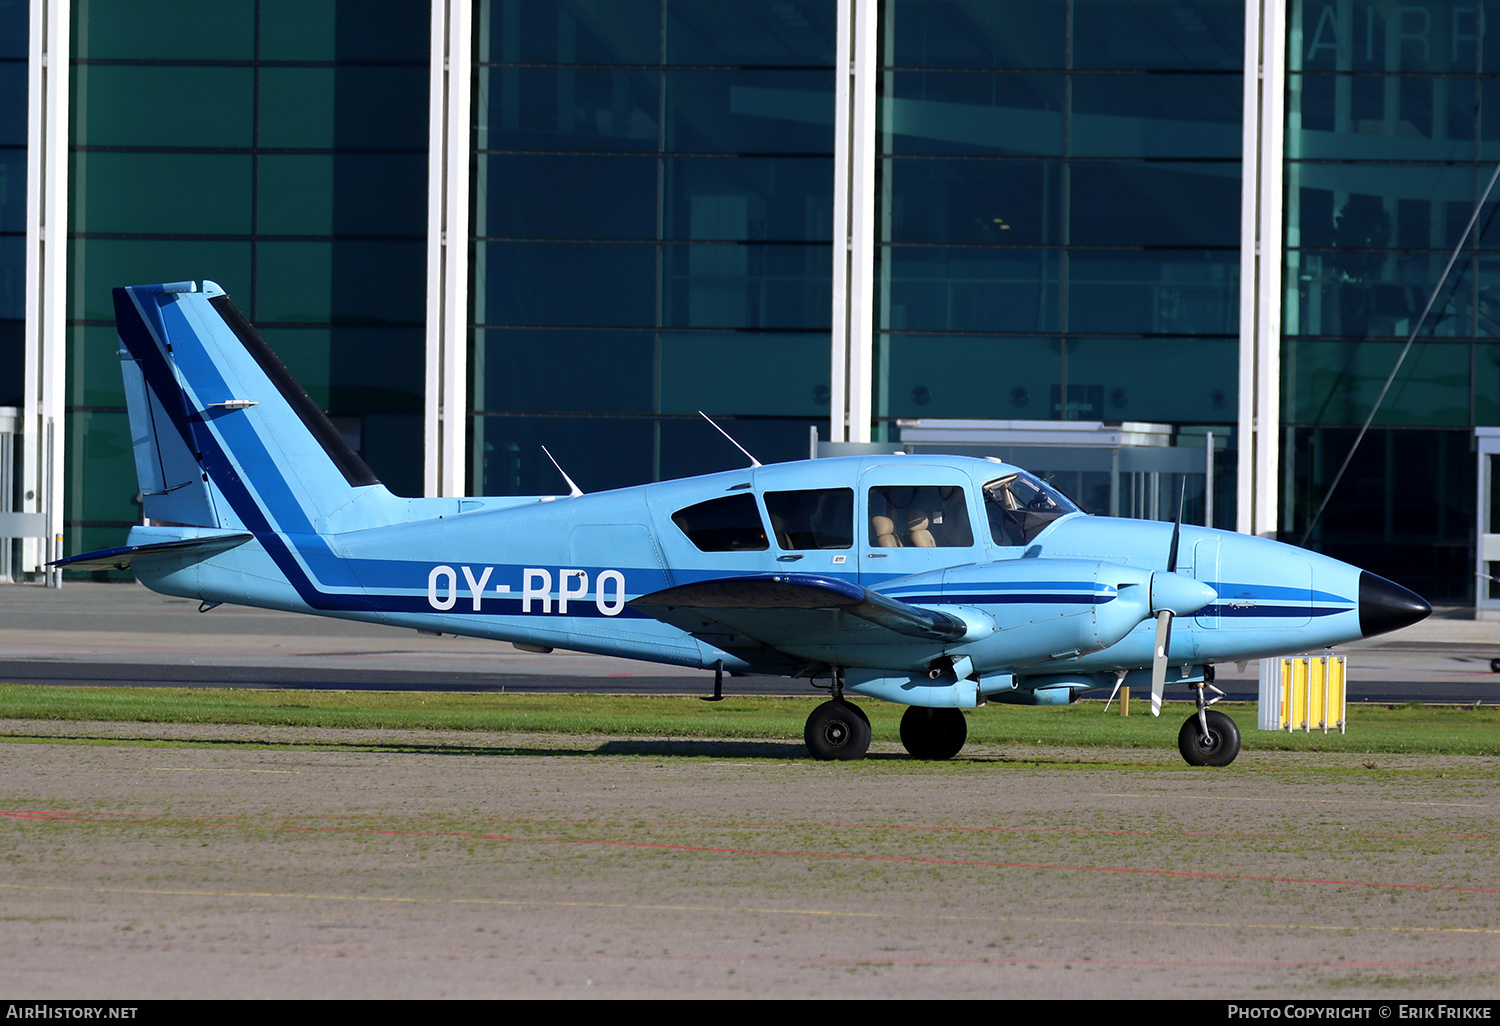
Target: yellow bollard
(1124,701)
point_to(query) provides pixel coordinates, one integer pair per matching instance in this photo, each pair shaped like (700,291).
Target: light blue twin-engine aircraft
(939,582)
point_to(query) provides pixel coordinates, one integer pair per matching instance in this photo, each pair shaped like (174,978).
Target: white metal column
(445,412)
(1261,267)
(46,275)
(852,357)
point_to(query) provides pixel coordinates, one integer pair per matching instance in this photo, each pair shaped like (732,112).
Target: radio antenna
(753,461)
(573,490)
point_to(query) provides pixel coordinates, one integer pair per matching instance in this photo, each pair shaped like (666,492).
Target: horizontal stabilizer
(121,557)
(773,609)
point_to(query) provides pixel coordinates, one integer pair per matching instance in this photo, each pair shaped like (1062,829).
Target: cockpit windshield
(1019,506)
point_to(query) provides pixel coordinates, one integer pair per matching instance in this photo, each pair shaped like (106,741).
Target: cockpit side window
(730,523)
(815,518)
(919,516)
(1020,506)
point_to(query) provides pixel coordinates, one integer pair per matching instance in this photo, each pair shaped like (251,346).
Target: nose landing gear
(1208,738)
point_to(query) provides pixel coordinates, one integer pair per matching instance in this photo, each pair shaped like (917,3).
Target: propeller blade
(1159,659)
(1118,681)
(1164,618)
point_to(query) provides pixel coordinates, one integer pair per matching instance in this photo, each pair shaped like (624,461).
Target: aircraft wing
(121,557)
(787,612)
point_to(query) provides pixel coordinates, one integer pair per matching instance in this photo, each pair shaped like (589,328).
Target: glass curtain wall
(1393,132)
(652,211)
(279,148)
(1058,215)
(13,89)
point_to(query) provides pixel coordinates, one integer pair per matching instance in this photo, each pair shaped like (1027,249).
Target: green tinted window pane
(1363,294)
(941,289)
(366,282)
(598,452)
(976,33)
(12,276)
(567,284)
(295,30)
(164,30)
(770,198)
(589,108)
(101,468)
(569,31)
(294,194)
(749,111)
(746,286)
(1160,380)
(1191,34)
(94,377)
(1155,204)
(188,106)
(1156,116)
(345,30)
(745,373)
(523,371)
(375,369)
(1341,116)
(1382,206)
(14,15)
(964,113)
(345,107)
(1154,293)
(1487,387)
(297,107)
(12,190)
(13,89)
(561,196)
(1338,382)
(342,194)
(975,202)
(1442,36)
(968,376)
(751,32)
(165,193)
(96,266)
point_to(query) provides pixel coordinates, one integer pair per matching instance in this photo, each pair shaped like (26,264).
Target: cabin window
(727,524)
(1019,506)
(919,516)
(816,518)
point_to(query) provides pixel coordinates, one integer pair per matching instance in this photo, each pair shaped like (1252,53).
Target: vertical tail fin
(223,436)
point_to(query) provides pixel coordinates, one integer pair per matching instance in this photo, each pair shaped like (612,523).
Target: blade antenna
(753,461)
(1164,618)
(573,490)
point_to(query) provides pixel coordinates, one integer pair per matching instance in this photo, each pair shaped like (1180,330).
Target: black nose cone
(1386,606)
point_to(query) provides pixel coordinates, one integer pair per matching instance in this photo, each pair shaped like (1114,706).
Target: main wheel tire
(837,730)
(933,733)
(1218,749)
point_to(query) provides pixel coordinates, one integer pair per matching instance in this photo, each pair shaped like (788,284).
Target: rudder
(223,435)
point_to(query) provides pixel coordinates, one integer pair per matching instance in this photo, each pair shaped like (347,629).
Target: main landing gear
(838,729)
(1208,738)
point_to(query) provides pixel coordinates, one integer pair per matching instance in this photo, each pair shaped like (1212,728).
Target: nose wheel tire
(1218,748)
(933,733)
(837,730)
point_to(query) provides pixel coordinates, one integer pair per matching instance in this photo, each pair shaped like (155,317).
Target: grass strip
(1411,728)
